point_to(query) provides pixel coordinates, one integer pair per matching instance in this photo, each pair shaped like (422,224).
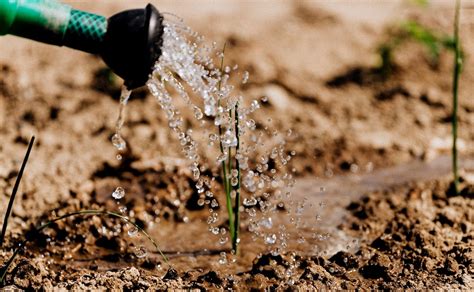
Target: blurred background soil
(314,60)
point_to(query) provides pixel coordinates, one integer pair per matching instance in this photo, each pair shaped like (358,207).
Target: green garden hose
(129,42)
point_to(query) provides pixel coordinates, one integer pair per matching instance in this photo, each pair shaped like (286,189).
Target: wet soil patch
(415,236)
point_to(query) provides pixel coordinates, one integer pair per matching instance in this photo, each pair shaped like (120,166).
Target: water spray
(129,42)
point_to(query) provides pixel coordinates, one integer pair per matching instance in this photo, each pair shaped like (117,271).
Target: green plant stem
(227,189)
(15,190)
(229,158)
(4,269)
(235,242)
(226,181)
(456,73)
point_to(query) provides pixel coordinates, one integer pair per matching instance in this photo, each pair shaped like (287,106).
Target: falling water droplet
(234,172)
(270,239)
(223,258)
(119,142)
(254,105)
(214,203)
(198,113)
(132,231)
(200,202)
(118,193)
(252,212)
(267,222)
(196,173)
(234,181)
(213,137)
(223,240)
(222,157)
(248,202)
(229,139)
(245,77)
(140,252)
(251,124)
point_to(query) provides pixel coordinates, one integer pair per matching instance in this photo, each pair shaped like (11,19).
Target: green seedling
(434,43)
(458,60)
(226,180)
(15,190)
(235,238)
(412,30)
(233,211)
(21,245)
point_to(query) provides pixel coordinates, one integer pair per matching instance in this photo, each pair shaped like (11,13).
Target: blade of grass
(456,73)
(4,270)
(15,190)
(229,160)
(235,242)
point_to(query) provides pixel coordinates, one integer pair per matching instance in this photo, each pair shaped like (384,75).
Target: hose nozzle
(132,44)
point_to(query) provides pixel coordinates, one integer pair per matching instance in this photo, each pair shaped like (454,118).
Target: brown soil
(315,61)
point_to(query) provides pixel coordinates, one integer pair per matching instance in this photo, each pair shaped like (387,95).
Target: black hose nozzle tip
(133,43)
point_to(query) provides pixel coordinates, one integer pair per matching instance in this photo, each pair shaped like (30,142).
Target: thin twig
(15,190)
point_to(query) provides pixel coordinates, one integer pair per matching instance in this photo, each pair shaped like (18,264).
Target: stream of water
(253,162)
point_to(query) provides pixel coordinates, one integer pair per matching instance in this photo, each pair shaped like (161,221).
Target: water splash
(187,69)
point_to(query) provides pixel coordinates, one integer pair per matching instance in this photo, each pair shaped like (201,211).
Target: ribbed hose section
(85,31)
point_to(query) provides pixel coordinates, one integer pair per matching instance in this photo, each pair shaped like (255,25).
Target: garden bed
(370,158)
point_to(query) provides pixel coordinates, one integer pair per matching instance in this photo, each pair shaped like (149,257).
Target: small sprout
(456,72)
(412,30)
